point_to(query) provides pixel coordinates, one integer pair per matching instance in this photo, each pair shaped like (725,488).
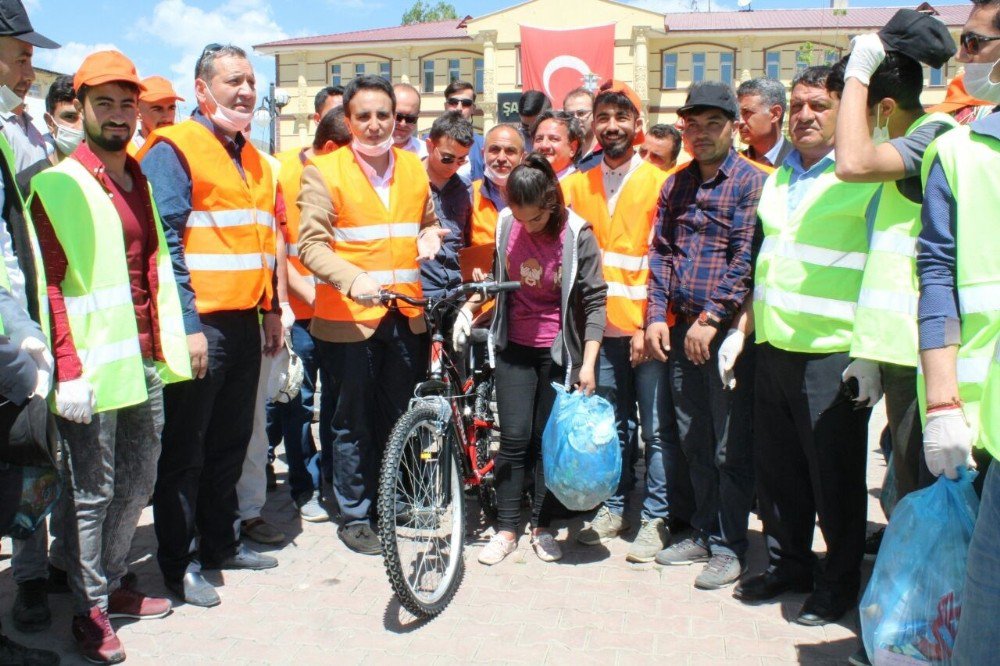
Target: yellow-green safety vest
(98,292)
(885,328)
(808,272)
(970,162)
(989,415)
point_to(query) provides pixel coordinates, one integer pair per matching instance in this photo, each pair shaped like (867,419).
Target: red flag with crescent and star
(557,61)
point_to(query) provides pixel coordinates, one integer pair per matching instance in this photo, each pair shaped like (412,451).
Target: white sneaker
(498,548)
(546,547)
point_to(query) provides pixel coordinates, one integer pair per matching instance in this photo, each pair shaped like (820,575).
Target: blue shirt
(170,177)
(453,206)
(493,193)
(937,313)
(801,180)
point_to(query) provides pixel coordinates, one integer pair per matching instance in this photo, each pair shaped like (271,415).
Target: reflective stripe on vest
(229,240)
(98,292)
(885,329)
(623,237)
(290,178)
(379,241)
(484,217)
(970,163)
(809,269)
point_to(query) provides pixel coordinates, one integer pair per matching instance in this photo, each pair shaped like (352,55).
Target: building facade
(658,55)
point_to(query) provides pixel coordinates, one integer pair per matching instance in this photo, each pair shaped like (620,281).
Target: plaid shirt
(701,253)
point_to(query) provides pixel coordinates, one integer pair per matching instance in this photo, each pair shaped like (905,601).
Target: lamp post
(267,113)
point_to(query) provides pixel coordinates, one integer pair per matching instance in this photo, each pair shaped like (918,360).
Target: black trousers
(810,453)
(207,428)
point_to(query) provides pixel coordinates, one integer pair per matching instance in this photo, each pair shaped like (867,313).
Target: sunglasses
(972,42)
(451,159)
(404,118)
(456,101)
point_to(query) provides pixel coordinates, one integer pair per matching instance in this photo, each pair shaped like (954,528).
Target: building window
(832,57)
(385,71)
(697,67)
(726,59)
(454,70)
(428,76)
(478,75)
(669,71)
(772,65)
(334,75)
(937,77)
(359,69)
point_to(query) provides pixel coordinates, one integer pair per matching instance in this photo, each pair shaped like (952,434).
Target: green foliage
(423,12)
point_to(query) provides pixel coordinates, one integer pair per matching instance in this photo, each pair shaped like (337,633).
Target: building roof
(853,18)
(448,29)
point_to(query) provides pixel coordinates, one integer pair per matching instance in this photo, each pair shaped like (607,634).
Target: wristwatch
(706,319)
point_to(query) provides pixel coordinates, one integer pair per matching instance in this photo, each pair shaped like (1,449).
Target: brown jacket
(316,222)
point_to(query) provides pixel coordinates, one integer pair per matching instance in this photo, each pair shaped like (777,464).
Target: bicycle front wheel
(421,512)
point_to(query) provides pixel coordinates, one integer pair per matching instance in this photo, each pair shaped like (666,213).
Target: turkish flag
(558,61)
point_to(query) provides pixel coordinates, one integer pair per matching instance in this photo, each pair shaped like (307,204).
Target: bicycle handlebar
(487,288)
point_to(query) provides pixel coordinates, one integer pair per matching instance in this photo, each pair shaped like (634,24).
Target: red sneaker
(127,602)
(96,638)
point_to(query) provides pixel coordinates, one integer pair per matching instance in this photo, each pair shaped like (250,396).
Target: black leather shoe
(31,606)
(823,607)
(244,558)
(768,585)
(195,590)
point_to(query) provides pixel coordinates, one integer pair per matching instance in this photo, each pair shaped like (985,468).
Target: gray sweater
(584,292)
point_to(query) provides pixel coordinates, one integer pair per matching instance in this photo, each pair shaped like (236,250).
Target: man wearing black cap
(22,146)
(700,273)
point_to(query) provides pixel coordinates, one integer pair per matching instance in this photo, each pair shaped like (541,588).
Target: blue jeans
(715,426)
(976,642)
(292,421)
(647,384)
(370,385)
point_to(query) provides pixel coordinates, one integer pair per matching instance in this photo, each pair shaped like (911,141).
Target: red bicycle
(443,445)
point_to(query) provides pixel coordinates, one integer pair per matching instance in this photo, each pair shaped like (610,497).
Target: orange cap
(158,89)
(614,85)
(957,98)
(105,67)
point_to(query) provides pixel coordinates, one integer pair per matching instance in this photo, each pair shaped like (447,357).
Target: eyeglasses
(973,42)
(580,113)
(408,119)
(456,101)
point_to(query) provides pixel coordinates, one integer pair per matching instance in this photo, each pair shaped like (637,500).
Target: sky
(166,36)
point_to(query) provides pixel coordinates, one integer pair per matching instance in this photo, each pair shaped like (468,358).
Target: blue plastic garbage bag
(910,611)
(580,450)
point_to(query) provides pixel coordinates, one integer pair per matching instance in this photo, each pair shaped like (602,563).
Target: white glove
(729,351)
(287,317)
(867,53)
(462,329)
(39,353)
(75,400)
(869,381)
(948,442)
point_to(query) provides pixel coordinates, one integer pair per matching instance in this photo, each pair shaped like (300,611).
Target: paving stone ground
(327,605)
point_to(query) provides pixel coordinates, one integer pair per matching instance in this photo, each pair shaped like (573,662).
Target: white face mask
(9,100)
(67,138)
(228,120)
(978,82)
(880,135)
(377,150)
(497,178)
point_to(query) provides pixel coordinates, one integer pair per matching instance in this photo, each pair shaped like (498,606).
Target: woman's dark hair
(534,183)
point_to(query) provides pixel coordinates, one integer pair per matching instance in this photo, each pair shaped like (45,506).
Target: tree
(422,12)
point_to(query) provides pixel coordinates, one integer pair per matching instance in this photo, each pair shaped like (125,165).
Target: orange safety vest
(623,237)
(229,240)
(484,217)
(290,178)
(382,242)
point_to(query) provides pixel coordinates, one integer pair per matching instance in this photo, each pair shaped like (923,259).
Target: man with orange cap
(118,338)
(157,108)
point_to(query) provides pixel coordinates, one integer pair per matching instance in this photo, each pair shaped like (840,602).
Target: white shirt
(18,286)
(379,183)
(772,155)
(571,169)
(614,179)
(415,146)
(25,140)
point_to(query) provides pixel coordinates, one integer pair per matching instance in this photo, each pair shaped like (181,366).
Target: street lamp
(267,113)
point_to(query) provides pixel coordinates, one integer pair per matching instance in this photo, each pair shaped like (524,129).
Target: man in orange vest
(618,197)
(157,108)
(216,198)
(504,149)
(292,420)
(366,220)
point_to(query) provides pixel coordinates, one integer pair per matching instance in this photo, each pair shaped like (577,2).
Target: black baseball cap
(713,94)
(14,23)
(919,36)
